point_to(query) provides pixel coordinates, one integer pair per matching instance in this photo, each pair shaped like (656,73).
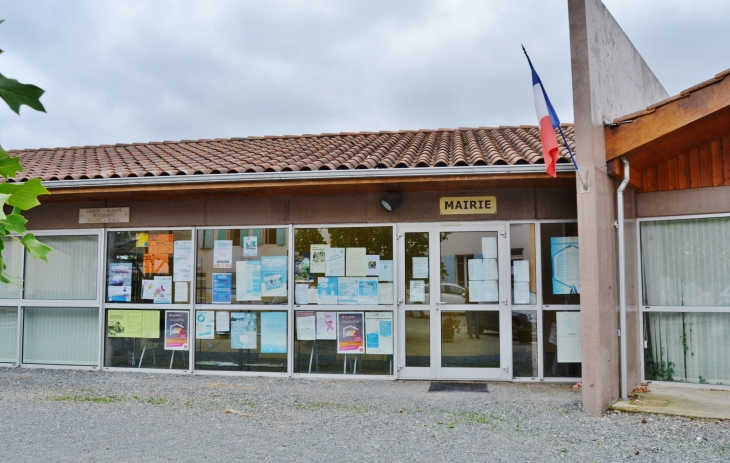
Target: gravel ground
(58,415)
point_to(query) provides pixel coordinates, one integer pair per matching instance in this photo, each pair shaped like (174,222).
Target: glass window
(561,344)
(523,264)
(560,263)
(418,338)
(691,347)
(61,335)
(146,338)
(8,334)
(470,339)
(252,340)
(344,266)
(524,343)
(469,268)
(13,258)
(243,266)
(344,342)
(70,273)
(686,262)
(153,266)
(417,270)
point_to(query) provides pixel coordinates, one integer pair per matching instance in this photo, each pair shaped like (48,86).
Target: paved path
(57,415)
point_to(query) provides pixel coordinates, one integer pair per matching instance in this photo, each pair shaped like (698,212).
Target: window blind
(71,271)
(8,334)
(13,257)
(61,336)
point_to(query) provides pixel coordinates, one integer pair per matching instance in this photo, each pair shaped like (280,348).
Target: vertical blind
(71,271)
(61,336)
(8,334)
(13,258)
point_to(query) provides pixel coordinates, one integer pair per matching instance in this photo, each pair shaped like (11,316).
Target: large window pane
(344,266)
(470,339)
(8,334)
(557,363)
(61,336)
(70,272)
(243,266)
(154,266)
(560,263)
(418,338)
(524,343)
(523,263)
(687,347)
(416,269)
(469,268)
(686,262)
(13,258)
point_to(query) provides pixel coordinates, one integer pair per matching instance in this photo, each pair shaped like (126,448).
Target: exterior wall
(683,202)
(610,79)
(524,204)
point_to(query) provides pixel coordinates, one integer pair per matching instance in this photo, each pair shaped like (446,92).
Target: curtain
(61,336)
(71,271)
(8,334)
(689,347)
(13,258)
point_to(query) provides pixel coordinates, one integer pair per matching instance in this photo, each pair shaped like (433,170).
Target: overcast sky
(138,71)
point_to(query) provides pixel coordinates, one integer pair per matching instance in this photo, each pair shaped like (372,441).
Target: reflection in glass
(469,268)
(524,343)
(418,338)
(470,339)
(522,256)
(551,367)
(417,282)
(8,334)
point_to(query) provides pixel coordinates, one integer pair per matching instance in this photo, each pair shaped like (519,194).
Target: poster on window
(244,332)
(379,333)
(350,333)
(120,282)
(176,330)
(204,323)
(273,332)
(222,254)
(306,326)
(273,274)
(568,334)
(565,264)
(222,288)
(326,328)
(250,246)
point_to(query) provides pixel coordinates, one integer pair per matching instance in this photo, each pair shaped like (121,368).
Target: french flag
(548,122)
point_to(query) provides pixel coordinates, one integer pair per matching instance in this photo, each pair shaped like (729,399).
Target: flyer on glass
(151,324)
(244,332)
(565,264)
(222,321)
(335,262)
(347,289)
(301,293)
(162,290)
(273,332)
(250,246)
(379,333)
(222,288)
(417,291)
(120,282)
(273,275)
(317,254)
(385,293)
(355,262)
(371,265)
(327,291)
(204,321)
(222,254)
(385,270)
(148,289)
(176,330)
(302,271)
(350,333)
(306,326)
(420,267)
(326,328)
(367,291)
(124,323)
(181,291)
(182,268)
(248,280)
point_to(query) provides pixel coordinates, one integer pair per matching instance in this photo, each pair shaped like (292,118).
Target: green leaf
(16,94)
(9,166)
(3,200)
(24,195)
(15,223)
(5,277)
(35,248)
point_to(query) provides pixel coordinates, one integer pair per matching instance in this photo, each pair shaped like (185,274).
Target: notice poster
(250,246)
(350,333)
(181,291)
(417,291)
(385,270)
(248,280)
(490,269)
(150,324)
(489,247)
(244,332)
(124,324)
(273,276)
(371,265)
(385,293)
(306,326)
(355,262)
(156,264)
(565,264)
(182,261)
(521,276)
(420,267)
(347,289)
(222,322)
(222,254)
(302,272)
(162,290)
(327,291)
(568,334)
(475,268)
(204,324)
(335,262)
(379,333)
(312,296)
(476,291)
(522,292)
(491,291)
(160,247)
(273,333)
(326,325)
(148,289)
(143,240)
(120,282)
(301,293)
(317,254)
(222,288)
(176,329)
(367,291)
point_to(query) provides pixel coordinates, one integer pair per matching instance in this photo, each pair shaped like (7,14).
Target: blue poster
(273,332)
(347,290)
(368,291)
(244,330)
(273,276)
(222,288)
(564,256)
(327,291)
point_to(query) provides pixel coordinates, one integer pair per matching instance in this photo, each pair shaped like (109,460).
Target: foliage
(18,197)
(659,371)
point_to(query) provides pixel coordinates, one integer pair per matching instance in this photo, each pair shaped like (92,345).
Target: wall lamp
(391,201)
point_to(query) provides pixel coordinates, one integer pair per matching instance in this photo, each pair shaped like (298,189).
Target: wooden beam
(616,170)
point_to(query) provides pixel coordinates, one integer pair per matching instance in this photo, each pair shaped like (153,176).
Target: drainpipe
(622,280)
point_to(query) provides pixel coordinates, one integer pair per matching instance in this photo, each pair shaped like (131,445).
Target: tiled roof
(363,150)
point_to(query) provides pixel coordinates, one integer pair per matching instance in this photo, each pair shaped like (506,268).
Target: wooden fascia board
(616,170)
(631,137)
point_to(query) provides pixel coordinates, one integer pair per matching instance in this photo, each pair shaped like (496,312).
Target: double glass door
(453,302)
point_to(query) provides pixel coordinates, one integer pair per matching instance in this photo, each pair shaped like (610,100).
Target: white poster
(385,270)
(326,325)
(162,290)
(420,267)
(181,291)
(335,262)
(355,262)
(476,291)
(301,293)
(248,280)
(491,291)
(222,254)
(490,269)
(182,261)
(522,292)
(204,324)
(379,333)
(417,291)
(317,258)
(148,289)
(306,326)
(521,270)
(222,322)
(371,262)
(385,293)
(475,269)
(250,246)
(569,345)
(489,247)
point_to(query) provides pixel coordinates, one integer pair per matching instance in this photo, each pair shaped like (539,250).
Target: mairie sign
(469,205)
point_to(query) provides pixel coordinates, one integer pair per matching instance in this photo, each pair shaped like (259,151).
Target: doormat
(457,386)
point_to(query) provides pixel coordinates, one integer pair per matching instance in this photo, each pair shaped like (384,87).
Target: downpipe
(622,280)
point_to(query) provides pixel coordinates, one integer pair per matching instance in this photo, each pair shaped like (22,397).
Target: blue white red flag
(548,122)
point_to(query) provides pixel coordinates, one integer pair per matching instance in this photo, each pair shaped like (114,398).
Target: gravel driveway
(58,415)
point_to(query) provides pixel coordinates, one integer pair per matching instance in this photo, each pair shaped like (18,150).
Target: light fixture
(391,201)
